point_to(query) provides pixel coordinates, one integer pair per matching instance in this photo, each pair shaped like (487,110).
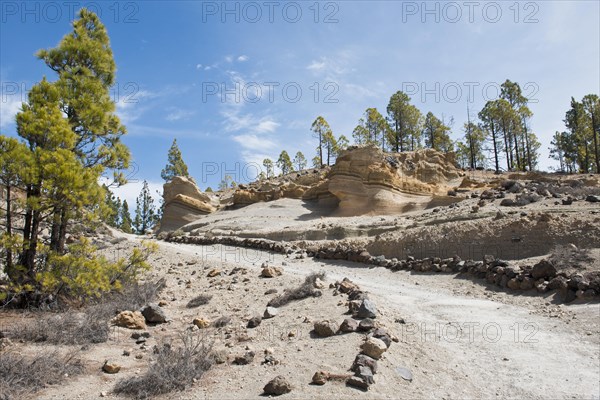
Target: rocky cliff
(367,180)
(183,203)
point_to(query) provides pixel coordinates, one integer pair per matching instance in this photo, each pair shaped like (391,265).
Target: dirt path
(461,342)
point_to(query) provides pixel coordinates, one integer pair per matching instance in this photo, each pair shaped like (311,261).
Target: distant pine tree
(125,217)
(175,164)
(145,211)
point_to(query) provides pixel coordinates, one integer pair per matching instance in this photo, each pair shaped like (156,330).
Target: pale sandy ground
(508,346)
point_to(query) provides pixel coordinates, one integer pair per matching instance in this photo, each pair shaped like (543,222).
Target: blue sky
(175,58)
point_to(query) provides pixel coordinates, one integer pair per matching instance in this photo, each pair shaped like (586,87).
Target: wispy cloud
(130,106)
(236,121)
(179,114)
(10,105)
(242,58)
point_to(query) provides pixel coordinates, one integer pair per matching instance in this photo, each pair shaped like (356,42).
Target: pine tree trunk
(8,270)
(595,133)
(62,233)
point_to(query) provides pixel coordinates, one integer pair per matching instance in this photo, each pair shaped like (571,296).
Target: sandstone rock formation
(291,186)
(184,203)
(367,180)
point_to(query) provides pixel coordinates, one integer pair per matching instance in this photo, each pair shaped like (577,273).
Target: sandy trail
(472,344)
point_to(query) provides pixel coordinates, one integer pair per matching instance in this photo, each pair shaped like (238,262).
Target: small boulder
(346,285)
(374,348)
(154,314)
(543,269)
(363,360)
(110,367)
(558,283)
(247,358)
(367,309)
(357,382)
(130,320)
(254,322)
(514,284)
(593,199)
(214,272)
(325,328)
(277,386)
(271,272)
(366,375)
(320,378)
(366,325)
(349,325)
(201,323)
(270,312)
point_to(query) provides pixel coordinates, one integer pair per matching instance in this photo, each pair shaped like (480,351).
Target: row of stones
(542,276)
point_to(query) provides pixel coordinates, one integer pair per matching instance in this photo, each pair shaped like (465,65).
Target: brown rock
(325,328)
(111,367)
(374,348)
(201,323)
(271,272)
(183,203)
(320,378)
(130,320)
(277,386)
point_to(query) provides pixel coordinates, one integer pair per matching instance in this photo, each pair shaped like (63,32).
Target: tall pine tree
(145,211)
(175,164)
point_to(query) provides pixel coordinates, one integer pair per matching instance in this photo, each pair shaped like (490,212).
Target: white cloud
(128,104)
(229,59)
(236,121)
(178,114)
(242,58)
(254,142)
(9,107)
(316,65)
(198,66)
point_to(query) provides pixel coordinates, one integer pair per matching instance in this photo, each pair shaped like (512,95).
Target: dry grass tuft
(199,300)
(569,257)
(307,289)
(174,369)
(21,376)
(88,325)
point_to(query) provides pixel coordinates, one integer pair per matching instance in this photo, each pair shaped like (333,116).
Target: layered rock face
(292,186)
(366,180)
(184,203)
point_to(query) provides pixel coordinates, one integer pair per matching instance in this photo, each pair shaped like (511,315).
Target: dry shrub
(307,289)
(198,301)
(221,322)
(174,369)
(22,375)
(88,325)
(566,257)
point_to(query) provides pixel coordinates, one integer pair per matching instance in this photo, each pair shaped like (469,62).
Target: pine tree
(342,144)
(145,211)
(226,183)
(86,69)
(330,144)
(490,123)
(268,164)
(125,218)
(300,161)
(284,163)
(15,166)
(320,128)
(405,121)
(436,133)
(175,164)
(113,207)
